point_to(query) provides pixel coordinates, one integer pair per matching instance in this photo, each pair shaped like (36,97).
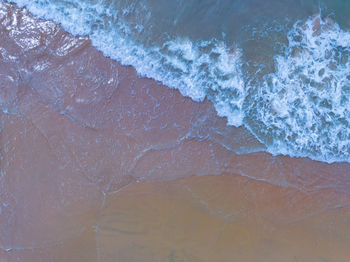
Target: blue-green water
(280,68)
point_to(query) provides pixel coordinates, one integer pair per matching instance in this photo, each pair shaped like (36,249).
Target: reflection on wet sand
(98,164)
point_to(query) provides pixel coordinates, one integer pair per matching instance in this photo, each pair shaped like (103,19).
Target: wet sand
(220,218)
(98,164)
(208,218)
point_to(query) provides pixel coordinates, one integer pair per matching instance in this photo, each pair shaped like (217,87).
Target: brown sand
(98,164)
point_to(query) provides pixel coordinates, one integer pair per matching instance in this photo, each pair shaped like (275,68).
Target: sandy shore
(208,218)
(98,164)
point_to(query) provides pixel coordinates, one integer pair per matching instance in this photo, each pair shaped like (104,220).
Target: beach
(101,164)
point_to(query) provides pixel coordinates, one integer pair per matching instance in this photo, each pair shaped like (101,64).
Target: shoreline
(92,150)
(129,52)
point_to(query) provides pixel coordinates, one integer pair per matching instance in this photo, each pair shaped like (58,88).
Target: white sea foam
(196,69)
(302,109)
(305,106)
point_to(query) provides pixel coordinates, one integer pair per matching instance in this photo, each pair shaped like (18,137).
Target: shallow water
(269,66)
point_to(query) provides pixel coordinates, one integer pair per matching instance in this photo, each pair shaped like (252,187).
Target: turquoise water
(280,68)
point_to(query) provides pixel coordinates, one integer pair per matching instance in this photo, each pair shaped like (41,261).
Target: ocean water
(280,68)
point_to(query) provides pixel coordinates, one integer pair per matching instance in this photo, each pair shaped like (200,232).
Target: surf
(300,109)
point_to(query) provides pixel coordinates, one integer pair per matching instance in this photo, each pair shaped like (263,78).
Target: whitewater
(300,107)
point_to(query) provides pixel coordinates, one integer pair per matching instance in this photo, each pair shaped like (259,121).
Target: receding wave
(301,109)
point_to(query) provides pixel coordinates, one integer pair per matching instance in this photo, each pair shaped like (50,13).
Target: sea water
(280,68)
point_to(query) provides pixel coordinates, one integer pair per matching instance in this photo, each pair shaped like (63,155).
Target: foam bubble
(304,107)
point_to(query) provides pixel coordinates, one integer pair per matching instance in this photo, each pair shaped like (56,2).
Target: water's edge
(289,121)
